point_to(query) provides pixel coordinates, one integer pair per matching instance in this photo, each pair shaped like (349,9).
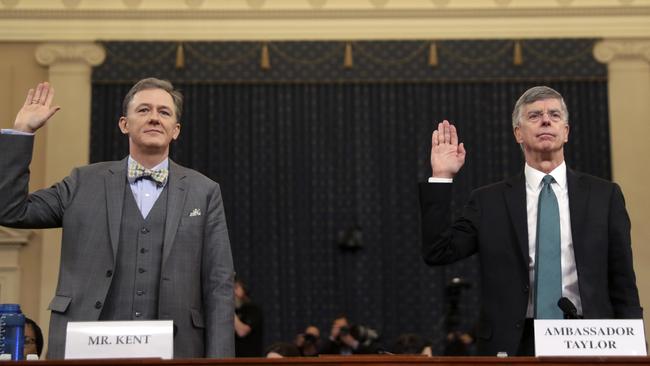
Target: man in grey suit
(143,238)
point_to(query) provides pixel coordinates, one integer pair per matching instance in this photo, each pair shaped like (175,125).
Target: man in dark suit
(143,238)
(500,224)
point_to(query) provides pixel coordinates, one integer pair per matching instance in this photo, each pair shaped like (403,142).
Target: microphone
(568,308)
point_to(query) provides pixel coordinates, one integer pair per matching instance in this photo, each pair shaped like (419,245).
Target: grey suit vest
(134,290)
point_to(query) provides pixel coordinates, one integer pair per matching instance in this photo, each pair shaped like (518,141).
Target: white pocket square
(195,212)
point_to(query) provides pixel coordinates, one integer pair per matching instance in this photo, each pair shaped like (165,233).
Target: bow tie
(137,171)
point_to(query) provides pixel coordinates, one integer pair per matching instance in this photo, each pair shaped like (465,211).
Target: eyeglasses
(30,340)
(536,116)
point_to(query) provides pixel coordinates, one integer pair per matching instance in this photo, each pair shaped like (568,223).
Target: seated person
(33,338)
(412,344)
(282,349)
(346,339)
(308,342)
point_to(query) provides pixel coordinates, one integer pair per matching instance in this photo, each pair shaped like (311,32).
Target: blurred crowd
(344,338)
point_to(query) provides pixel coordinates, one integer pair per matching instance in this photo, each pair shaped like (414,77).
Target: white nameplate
(120,339)
(590,337)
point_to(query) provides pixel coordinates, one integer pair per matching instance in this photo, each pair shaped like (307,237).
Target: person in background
(281,350)
(249,323)
(308,342)
(346,339)
(458,344)
(33,338)
(412,344)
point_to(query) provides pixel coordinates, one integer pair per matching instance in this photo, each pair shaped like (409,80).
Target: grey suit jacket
(196,281)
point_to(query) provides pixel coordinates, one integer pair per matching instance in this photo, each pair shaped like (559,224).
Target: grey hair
(153,83)
(533,95)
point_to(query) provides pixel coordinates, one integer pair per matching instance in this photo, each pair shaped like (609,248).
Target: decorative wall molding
(358,61)
(379,12)
(84,20)
(14,237)
(51,53)
(614,49)
(313,4)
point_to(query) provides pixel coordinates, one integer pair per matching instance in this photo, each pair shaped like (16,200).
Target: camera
(309,338)
(363,334)
(344,330)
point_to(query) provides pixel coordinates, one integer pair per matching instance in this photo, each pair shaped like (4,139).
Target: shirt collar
(534,176)
(162,165)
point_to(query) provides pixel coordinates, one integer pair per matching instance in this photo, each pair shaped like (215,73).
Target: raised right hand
(37,109)
(447,155)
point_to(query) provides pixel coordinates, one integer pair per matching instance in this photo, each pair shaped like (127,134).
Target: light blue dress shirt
(147,191)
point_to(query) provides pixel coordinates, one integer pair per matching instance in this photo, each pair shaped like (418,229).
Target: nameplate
(590,337)
(120,339)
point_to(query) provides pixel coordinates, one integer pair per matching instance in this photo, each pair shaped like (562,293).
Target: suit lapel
(177,192)
(515,196)
(578,199)
(115,184)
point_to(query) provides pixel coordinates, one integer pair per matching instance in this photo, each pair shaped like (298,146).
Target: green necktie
(548,271)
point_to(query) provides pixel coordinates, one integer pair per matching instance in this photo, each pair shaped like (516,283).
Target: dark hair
(38,334)
(284,349)
(153,83)
(410,343)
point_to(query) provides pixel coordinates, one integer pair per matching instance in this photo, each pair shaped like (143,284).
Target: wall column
(11,243)
(67,138)
(628,64)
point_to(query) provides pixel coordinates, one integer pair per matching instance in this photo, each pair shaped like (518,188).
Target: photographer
(346,340)
(249,323)
(458,341)
(308,342)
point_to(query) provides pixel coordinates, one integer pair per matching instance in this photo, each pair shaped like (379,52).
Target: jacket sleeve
(444,242)
(218,282)
(41,209)
(623,292)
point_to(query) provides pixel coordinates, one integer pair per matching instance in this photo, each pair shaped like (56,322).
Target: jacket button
(138,314)
(144,230)
(141,270)
(109,273)
(518,325)
(98,305)
(526,288)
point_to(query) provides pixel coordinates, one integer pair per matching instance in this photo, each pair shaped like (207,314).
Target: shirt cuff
(440,180)
(8,131)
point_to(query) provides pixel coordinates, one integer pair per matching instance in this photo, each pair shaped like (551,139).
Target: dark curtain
(300,163)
